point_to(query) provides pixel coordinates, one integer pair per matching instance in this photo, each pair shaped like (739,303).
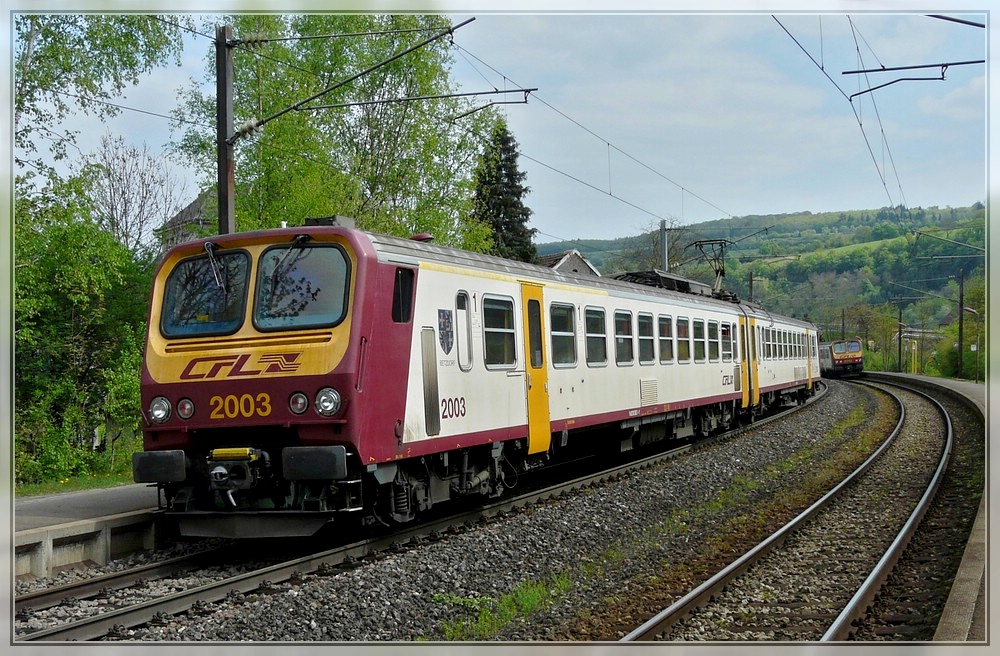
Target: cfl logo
(239,366)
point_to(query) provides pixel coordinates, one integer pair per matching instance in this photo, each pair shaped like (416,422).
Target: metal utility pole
(961,320)
(226,184)
(226,133)
(899,354)
(664,246)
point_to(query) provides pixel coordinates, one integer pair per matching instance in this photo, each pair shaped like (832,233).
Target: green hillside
(852,272)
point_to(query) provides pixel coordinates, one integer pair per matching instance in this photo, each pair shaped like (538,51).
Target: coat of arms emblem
(446,332)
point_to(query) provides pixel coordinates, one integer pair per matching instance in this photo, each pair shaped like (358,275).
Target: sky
(642,115)
(688,118)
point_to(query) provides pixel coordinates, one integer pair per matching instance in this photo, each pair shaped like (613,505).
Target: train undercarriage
(275,490)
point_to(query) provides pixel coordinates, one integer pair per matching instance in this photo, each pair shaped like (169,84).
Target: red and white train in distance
(293,377)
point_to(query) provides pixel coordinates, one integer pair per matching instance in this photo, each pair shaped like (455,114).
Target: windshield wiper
(298,243)
(215,265)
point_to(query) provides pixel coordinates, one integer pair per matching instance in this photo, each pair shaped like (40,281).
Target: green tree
(80,303)
(68,61)
(79,295)
(499,197)
(361,149)
(974,329)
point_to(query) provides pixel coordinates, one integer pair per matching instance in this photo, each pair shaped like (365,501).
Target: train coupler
(232,469)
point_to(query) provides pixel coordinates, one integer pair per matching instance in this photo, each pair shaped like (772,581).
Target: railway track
(113,623)
(911,602)
(815,578)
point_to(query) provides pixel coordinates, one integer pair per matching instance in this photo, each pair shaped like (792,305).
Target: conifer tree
(498,199)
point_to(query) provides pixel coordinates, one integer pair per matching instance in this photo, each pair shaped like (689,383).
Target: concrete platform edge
(958,618)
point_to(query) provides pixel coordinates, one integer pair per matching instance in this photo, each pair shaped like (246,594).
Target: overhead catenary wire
(885,141)
(611,192)
(600,138)
(253,125)
(854,109)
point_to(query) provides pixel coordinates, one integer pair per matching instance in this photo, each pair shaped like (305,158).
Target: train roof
(420,248)
(645,283)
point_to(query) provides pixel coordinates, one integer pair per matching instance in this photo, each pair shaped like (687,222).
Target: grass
(492,615)
(743,489)
(73,484)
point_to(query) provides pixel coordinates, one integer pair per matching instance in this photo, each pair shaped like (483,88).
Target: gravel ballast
(605,543)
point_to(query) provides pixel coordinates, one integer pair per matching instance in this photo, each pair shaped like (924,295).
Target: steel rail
(85,588)
(95,627)
(857,607)
(666,618)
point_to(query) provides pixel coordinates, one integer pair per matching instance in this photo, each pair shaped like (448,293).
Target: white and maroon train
(297,374)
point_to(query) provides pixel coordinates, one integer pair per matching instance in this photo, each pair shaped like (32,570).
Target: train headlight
(185,408)
(159,410)
(299,403)
(327,401)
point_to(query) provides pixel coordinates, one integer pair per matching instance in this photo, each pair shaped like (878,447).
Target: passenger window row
(781,344)
(648,340)
(661,338)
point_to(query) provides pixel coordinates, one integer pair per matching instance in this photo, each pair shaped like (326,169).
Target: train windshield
(301,286)
(206,295)
(854,347)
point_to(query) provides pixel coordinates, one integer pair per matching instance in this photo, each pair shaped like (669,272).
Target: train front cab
(246,382)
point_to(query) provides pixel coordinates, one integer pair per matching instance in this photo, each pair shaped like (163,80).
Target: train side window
(535,340)
(402,296)
(666,328)
(647,339)
(683,339)
(597,336)
(713,341)
(463,331)
(699,340)
(562,323)
(498,333)
(727,342)
(624,353)
(766,337)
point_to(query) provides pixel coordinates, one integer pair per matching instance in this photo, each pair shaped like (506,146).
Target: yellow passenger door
(748,373)
(535,371)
